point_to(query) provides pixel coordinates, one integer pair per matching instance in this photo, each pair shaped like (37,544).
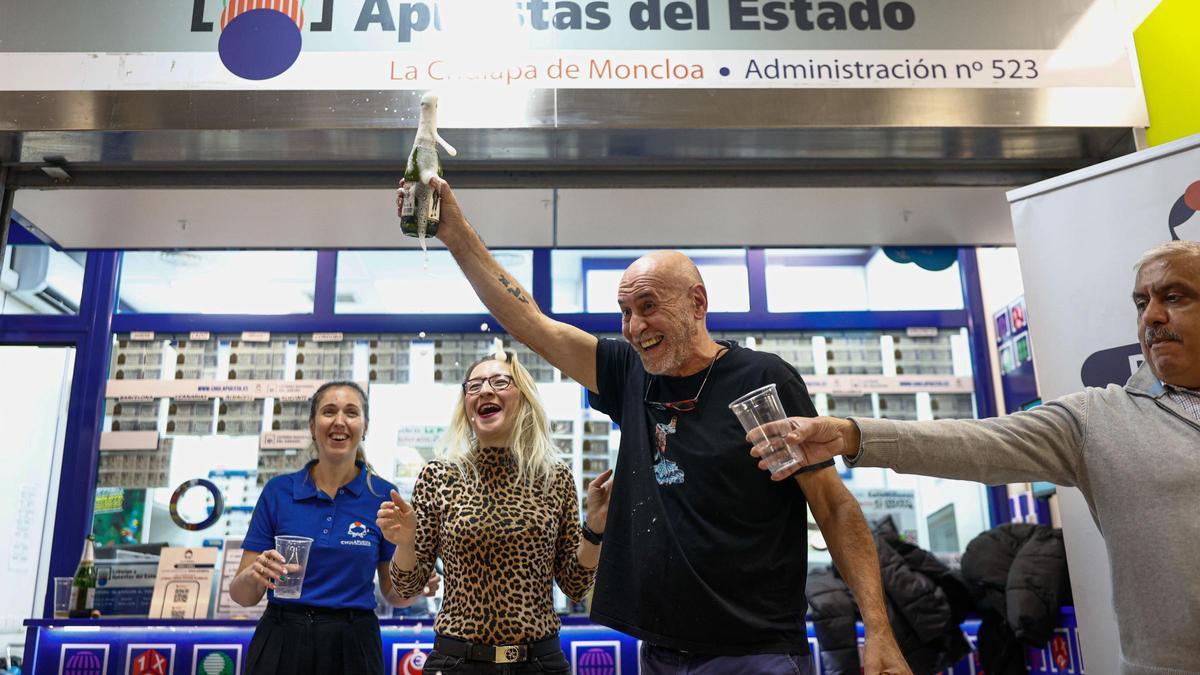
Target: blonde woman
(501,511)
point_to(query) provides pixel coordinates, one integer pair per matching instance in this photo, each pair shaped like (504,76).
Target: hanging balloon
(934,259)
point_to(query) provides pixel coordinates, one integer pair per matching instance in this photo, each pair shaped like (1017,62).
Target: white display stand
(1078,237)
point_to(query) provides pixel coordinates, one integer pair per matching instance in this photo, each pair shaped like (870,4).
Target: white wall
(33,416)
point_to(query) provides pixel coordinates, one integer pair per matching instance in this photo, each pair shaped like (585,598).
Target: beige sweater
(1135,455)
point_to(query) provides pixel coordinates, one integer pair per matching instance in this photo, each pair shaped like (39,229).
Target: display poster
(418,436)
(119,516)
(184,584)
(1078,237)
(231,560)
(901,505)
(1018,379)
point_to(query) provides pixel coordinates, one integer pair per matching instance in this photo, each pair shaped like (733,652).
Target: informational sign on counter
(125,587)
(184,583)
(226,608)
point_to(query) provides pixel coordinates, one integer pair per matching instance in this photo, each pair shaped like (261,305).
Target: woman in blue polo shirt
(331,627)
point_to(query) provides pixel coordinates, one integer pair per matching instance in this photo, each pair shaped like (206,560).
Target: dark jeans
(663,661)
(550,663)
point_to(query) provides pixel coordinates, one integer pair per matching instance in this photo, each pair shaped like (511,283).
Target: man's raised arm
(568,348)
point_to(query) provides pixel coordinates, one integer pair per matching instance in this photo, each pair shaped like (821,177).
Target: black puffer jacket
(925,603)
(1018,576)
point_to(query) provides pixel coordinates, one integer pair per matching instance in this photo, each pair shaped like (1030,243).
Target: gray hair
(1168,250)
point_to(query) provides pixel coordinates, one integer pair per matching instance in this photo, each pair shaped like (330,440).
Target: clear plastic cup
(755,409)
(62,596)
(295,555)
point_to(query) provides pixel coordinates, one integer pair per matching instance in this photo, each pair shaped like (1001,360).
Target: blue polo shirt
(347,546)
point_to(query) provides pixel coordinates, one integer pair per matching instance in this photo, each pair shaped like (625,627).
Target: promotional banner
(590,44)
(1079,236)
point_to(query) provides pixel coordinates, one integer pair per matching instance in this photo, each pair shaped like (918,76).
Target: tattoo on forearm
(513,289)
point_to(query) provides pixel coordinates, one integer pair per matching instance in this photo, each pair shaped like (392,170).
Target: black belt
(314,613)
(497,653)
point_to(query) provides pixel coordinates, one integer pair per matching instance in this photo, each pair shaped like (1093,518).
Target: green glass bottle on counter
(421,208)
(83,589)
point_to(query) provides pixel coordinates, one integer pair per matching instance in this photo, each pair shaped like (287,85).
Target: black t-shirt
(702,551)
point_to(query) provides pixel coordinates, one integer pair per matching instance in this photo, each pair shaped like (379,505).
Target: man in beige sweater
(1133,451)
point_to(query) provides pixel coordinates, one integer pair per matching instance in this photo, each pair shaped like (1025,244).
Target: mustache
(1153,335)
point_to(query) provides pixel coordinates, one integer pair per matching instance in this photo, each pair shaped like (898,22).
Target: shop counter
(165,647)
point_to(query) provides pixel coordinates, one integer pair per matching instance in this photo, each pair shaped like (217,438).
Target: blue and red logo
(412,663)
(1185,207)
(151,660)
(260,38)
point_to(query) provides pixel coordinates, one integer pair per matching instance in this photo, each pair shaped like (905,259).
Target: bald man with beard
(703,557)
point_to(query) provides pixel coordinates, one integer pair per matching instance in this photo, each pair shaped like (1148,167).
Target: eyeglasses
(686,405)
(497,382)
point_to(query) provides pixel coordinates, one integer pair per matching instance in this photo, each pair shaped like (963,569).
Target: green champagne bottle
(421,208)
(83,589)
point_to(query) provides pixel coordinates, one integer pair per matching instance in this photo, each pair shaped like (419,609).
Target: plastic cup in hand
(62,596)
(755,409)
(295,556)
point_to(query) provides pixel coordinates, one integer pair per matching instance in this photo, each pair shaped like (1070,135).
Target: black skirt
(315,641)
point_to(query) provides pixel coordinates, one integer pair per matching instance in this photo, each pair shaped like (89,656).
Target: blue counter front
(160,647)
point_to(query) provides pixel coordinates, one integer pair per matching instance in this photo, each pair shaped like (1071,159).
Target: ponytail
(360,457)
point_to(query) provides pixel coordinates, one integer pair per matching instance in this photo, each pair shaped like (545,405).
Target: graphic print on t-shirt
(666,472)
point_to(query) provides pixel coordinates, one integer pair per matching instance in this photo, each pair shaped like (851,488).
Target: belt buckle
(510,653)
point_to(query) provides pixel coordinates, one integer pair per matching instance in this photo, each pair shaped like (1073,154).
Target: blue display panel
(144,647)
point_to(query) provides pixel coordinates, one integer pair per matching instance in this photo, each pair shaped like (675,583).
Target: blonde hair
(360,455)
(1179,247)
(529,439)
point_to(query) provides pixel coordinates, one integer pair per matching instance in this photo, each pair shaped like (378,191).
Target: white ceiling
(712,216)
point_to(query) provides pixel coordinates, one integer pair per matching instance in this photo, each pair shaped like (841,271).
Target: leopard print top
(502,544)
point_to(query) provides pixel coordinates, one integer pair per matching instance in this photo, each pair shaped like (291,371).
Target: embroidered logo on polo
(358,535)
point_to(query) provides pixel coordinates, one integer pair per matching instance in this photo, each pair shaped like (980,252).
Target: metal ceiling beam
(578,177)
